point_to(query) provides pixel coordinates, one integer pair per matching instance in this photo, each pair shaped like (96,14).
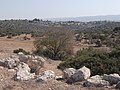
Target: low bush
(50,54)
(20,50)
(99,62)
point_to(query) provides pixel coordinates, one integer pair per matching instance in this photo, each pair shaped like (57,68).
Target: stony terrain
(7,81)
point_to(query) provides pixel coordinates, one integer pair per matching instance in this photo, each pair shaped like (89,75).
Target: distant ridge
(89,18)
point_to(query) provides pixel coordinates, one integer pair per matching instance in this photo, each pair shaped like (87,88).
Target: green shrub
(99,62)
(50,54)
(20,50)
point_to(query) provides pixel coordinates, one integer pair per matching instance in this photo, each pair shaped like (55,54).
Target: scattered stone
(11,63)
(68,73)
(23,72)
(11,70)
(34,62)
(47,75)
(22,57)
(59,78)
(112,78)
(81,74)
(95,81)
(72,75)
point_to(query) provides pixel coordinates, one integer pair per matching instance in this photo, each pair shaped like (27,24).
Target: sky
(29,9)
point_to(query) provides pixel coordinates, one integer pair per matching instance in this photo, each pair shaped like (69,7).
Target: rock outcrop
(23,72)
(34,62)
(72,75)
(96,81)
(47,75)
(68,73)
(81,74)
(112,78)
(11,62)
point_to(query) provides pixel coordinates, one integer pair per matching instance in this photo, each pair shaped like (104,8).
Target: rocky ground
(7,81)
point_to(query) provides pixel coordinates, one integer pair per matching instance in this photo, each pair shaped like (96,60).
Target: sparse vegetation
(55,44)
(20,50)
(99,62)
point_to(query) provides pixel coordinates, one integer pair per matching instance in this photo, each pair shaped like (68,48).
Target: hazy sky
(57,8)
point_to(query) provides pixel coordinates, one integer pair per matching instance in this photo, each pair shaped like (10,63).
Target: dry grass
(8,45)
(7,83)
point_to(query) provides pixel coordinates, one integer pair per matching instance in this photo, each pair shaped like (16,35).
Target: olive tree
(55,44)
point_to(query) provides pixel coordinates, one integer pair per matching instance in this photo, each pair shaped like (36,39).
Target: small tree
(55,44)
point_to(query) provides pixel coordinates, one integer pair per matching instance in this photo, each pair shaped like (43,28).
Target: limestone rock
(34,62)
(11,63)
(112,78)
(22,57)
(68,73)
(96,81)
(81,74)
(47,75)
(59,77)
(23,72)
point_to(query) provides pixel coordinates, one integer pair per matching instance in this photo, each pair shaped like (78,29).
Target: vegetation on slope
(99,62)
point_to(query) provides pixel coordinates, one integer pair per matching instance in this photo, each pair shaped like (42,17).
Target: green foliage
(99,62)
(20,50)
(56,44)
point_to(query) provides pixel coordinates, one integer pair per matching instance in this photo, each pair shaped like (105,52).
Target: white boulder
(68,73)
(59,77)
(112,78)
(22,57)
(47,75)
(34,62)
(81,74)
(23,72)
(11,63)
(96,81)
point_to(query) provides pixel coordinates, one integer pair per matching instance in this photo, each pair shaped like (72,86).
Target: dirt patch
(8,45)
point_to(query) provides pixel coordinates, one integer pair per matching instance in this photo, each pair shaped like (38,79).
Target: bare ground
(6,76)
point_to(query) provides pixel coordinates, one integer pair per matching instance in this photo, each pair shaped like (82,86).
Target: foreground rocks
(47,75)
(11,63)
(81,74)
(68,73)
(72,75)
(26,68)
(112,78)
(34,62)
(23,72)
(96,81)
